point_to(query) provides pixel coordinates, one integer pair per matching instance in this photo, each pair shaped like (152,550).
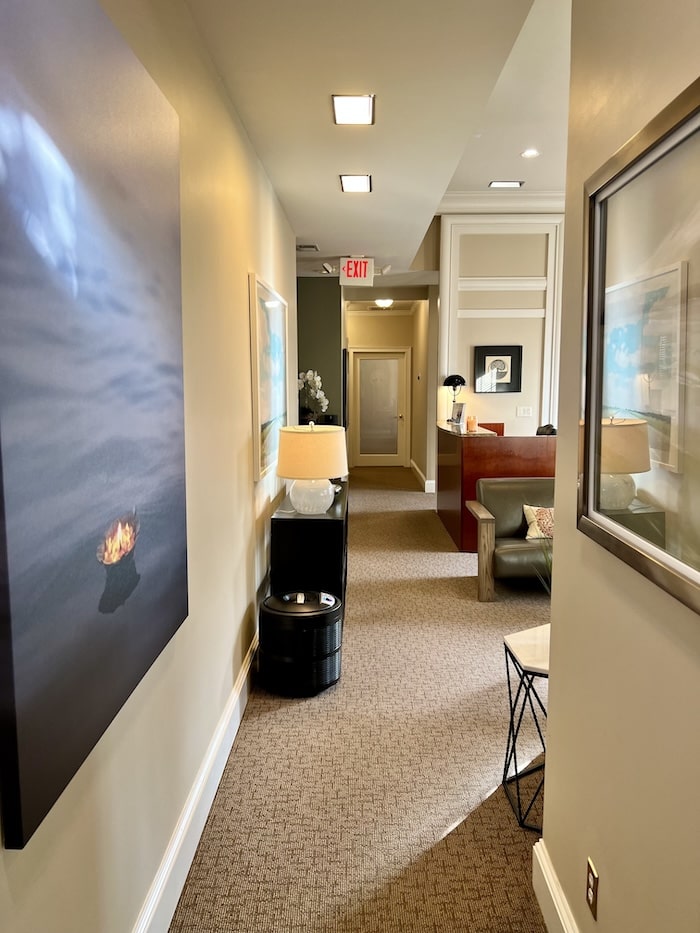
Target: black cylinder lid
(302,602)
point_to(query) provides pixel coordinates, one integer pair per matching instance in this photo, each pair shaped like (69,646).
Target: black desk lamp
(455,382)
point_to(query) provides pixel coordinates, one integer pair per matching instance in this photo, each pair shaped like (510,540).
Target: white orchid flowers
(311,395)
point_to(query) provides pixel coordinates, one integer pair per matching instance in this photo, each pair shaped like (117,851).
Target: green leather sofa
(503,550)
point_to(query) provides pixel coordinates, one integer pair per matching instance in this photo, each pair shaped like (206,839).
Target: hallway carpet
(376,806)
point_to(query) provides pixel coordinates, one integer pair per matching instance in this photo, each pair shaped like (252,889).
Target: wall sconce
(624,449)
(455,383)
(311,454)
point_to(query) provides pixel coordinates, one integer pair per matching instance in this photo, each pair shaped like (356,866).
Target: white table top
(530,648)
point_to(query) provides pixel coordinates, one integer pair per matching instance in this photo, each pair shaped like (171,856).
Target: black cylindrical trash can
(300,643)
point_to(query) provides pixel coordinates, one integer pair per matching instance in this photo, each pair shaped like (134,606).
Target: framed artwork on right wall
(640,427)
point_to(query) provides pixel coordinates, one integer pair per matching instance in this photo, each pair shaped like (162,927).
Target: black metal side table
(527,660)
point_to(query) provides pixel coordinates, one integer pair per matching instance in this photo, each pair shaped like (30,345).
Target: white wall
(503,406)
(623,756)
(90,864)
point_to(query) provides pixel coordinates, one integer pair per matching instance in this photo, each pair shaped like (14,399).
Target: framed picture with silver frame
(640,427)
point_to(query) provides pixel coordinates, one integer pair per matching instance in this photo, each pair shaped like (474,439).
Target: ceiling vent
(307,248)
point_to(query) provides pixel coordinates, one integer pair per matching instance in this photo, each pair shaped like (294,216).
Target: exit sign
(356,271)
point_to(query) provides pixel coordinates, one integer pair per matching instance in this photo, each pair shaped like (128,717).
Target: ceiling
(462,88)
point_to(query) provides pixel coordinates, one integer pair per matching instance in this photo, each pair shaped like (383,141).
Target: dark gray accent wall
(320,335)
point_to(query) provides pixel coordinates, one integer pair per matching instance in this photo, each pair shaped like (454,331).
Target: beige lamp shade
(312,451)
(624,446)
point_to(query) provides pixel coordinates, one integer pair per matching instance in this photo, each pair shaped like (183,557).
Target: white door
(379,423)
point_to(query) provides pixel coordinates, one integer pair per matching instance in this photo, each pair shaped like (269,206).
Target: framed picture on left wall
(268,339)
(93,529)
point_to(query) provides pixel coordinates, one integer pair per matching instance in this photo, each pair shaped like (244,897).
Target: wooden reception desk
(464,458)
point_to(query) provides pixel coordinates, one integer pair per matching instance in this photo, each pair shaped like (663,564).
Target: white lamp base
(617,490)
(311,496)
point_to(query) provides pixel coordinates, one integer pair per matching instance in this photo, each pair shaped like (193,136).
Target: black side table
(527,659)
(309,552)
(301,621)
(648,521)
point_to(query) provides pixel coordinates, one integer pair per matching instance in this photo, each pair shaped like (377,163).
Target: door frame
(404,454)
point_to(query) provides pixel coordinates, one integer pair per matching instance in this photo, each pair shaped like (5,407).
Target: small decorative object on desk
(457,413)
(312,398)
(471,423)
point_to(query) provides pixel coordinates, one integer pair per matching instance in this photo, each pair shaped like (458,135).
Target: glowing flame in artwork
(119,540)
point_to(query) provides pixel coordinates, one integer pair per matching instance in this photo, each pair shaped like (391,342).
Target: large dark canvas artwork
(93,556)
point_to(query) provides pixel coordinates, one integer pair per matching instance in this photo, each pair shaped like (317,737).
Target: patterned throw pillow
(540,521)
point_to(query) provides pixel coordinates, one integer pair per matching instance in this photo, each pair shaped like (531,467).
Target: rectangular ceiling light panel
(355,109)
(358,184)
(505,184)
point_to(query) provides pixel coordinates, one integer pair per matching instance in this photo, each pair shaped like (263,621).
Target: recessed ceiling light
(356,183)
(384,302)
(355,109)
(530,153)
(506,184)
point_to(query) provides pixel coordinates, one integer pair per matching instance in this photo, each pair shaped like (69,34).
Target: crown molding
(497,202)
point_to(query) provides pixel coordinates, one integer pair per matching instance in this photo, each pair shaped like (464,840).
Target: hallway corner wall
(623,765)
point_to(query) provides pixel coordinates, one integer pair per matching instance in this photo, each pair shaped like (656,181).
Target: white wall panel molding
(456,226)
(483,313)
(503,283)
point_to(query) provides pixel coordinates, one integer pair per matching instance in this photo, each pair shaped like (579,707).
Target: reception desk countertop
(461,430)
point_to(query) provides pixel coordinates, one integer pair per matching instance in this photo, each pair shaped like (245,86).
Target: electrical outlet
(592,889)
(523,411)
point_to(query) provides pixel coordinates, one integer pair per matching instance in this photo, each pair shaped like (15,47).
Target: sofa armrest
(486,542)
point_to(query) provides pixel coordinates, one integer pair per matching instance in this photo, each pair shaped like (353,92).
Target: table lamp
(310,454)
(624,449)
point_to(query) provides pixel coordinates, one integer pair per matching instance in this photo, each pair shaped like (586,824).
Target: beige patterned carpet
(376,806)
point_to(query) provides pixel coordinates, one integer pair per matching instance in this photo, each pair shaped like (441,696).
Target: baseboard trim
(427,484)
(550,895)
(159,907)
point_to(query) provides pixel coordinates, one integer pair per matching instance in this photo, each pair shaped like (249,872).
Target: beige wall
(502,255)
(428,255)
(419,392)
(374,331)
(502,406)
(623,759)
(90,864)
